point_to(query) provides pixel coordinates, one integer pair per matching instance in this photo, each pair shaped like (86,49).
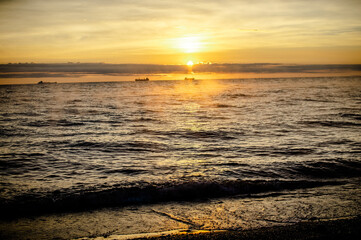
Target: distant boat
(41,82)
(142,79)
(189,79)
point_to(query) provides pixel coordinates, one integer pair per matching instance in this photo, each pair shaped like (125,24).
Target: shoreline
(318,229)
(297,214)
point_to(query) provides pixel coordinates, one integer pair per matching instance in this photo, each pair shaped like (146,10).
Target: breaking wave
(62,201)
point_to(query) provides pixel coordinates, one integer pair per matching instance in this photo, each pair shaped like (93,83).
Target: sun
(190,63)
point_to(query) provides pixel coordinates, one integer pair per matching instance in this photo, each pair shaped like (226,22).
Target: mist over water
(72,146)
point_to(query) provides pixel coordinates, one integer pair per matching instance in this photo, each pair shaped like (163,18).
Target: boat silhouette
(41,82)
(142,79)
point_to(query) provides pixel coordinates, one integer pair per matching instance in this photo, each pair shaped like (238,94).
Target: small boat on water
(41,82)
(189,79)
(142,79)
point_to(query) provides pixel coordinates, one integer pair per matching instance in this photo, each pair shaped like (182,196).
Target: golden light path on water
(197,97)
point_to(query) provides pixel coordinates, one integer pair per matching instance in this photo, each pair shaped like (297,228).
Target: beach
(226,217)
(337,229)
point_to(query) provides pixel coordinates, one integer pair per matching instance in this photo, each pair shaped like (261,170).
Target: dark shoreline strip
(59,202)
(328,230)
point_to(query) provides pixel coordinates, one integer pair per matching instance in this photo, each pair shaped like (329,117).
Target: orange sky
(173,32)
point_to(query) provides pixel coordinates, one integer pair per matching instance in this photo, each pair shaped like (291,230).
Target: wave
(338,142)
(212,117)
(325,169)
(58,201)
(316,100)
(338,124)
(146,119)
(237,95)
(278,151)
(221,105)
(11,133)
(125,171)
(189,134)
(351,115)
(330,169)
(136,146)
(57,123)
(223,135)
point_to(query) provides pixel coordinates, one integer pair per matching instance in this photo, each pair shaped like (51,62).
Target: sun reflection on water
(202,88)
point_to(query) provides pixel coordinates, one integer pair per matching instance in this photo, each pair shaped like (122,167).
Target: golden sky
(175,32)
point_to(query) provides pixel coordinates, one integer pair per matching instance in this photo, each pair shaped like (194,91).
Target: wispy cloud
(42,30)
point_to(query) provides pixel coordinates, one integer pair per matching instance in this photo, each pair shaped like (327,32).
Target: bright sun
(190,63)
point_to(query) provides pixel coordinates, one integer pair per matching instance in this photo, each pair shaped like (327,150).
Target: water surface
(88,145)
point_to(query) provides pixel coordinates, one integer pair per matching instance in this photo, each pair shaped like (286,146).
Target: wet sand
(253,217)
(335,229)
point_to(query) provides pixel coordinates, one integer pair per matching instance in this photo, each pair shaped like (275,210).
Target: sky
(175,32)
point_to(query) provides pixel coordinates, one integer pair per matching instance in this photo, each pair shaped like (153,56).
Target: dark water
(88,145)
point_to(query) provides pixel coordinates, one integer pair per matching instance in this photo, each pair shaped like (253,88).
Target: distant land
(41,70)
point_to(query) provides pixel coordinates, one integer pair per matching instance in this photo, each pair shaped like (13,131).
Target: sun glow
(190,63)
(189,44)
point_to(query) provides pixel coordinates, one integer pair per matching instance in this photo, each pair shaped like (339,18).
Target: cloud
(92,24)
(276,68)
(38,75)
(34,70)
(88,68)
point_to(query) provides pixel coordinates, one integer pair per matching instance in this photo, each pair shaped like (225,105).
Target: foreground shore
(331,212)
(336,229)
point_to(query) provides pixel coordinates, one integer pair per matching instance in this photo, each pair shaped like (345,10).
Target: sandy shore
(336,229)
(262,217)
